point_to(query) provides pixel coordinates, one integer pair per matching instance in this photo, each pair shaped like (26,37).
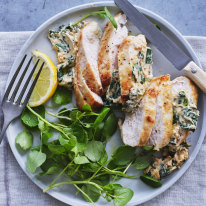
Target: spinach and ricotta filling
(185,112)
(173,156)
(64,42)
(113,94)
(142,75)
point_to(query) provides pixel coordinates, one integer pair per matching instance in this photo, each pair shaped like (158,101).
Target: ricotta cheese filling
(142,75)
(64,42)
(185,112)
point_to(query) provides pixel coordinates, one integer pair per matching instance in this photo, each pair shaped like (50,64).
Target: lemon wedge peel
(47,82)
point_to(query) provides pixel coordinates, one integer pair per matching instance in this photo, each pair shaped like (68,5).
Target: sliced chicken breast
(78,95)
(137,126)
(111,40)
(162,130)
(182,84)
(89,41)
(87,85)
(135,70)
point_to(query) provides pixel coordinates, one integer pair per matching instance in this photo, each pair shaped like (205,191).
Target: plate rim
(166,24)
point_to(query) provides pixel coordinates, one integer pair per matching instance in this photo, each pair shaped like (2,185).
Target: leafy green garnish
(122,196)
(80,154)
(30,119)
(142,162)
(49,167)
(24,140)
(62,96)
(80,160)
(110,125)
(92,192)
(110,17)
(35,159)
(102,13)
(151,181)
(94,150)
(123,155)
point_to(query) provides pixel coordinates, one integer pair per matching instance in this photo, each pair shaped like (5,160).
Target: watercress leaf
(49,167)
(28,118)
(24,140)
(122,196)
(147,148)
(80,160)
(151,181)
(81,135)
(101,117)
(111,187)
(103,180)
(34,160)
(123,155)
(94,150)
(92,192)
(99,131)
(45,137)
(103,158)
(35,148)
(62,96)
(56,149)
(110,126)
(40,110)
(75,115)
(68,144)
(110,17)
(43,127)
(31,120)
(142,162)
(86,108)
(111,165)
(91,167)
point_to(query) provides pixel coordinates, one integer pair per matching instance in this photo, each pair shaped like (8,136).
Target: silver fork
(13,105)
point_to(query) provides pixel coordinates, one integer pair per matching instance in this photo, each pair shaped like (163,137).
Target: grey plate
(142,192)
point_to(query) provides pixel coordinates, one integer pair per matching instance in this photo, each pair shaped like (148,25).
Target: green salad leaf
(62,96)
(92,192)
(151,181)
(81,160)
(123,155)
(94,150)
(31,120)
(24,140)
(142,162)
(35,159)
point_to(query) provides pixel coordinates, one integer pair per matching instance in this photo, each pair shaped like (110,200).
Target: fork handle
(5,126)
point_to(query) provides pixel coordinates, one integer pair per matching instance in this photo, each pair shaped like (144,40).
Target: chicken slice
(185,95)
(135,70)
(162,130)
(89,41)
(111,40)
(137,126)
(87,85)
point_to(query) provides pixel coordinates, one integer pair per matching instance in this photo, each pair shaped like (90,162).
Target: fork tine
(20,80)
(32,86)
(13,79)
(26,83)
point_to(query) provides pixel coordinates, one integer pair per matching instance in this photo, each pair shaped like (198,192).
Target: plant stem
(46,121)
(58,176)
(60,117)
(84,194)
(96,12)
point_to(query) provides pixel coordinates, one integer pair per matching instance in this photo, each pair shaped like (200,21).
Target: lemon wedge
(47,82)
